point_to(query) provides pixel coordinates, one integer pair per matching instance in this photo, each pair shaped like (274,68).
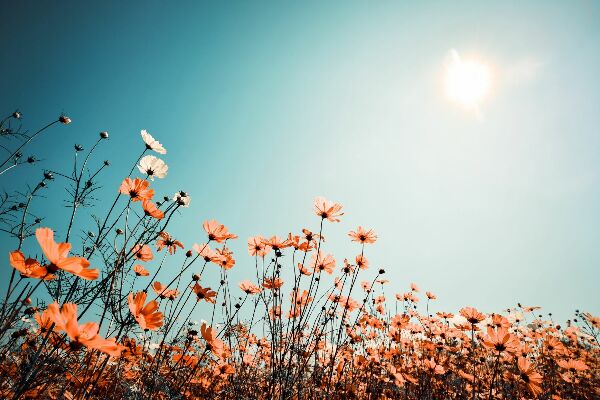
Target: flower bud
(103,135)
(64,119)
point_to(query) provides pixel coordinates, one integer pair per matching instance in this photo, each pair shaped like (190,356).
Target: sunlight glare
(467,81)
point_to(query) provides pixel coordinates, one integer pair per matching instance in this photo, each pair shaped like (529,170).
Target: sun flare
(467,81)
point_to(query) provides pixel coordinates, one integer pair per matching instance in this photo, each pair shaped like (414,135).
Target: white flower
(152,144)
(515,316)
(458,320)
(182,199)
(153,167)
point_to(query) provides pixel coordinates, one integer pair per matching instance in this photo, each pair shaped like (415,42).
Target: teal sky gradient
(263,106)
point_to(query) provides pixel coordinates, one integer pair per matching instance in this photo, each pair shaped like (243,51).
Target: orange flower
(137,189)
(57,253)
(151,210)
(206,294)
(532,379)
(65,319)
(216,346)
(275,312)
(226,260)
(573,365)
(30,267)
(164,292)
(312,237)
(276,243)
(167,241)
(327,209)
(275,283)
(303,270)
(445,315)
(207,254)
(501,340)
(472,315)
(595,321)
(300,300)
(140,271)
(223,369)
(146,316)
(257,247)
(142,252)
(363,236)
(45,321)
(433,367)
(362,262)
(323,263)
(217,232)
(348,303)
(249,287)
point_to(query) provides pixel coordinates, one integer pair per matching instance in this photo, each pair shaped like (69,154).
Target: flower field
(86,316)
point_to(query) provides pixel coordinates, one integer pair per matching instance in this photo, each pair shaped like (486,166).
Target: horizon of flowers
(302,324)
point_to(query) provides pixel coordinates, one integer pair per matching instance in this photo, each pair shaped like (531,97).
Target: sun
(467,82)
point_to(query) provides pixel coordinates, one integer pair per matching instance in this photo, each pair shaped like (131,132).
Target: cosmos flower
(147,315)
(433,367)
(29,268)
(153,166)
(363,236)
(322,263)
(140,271)
(532,379)
(216,346)
(142,252)
(206,294)
(327,209)
(151,143)
(257,246)
(151,210)
(182,199)
(217,232)
(500,340)
(166,240)
(164,292)
(65,319)
(249,287)
(207,254)
(361,261)
(272,284)
(137,189)
(472,315)
(57,255)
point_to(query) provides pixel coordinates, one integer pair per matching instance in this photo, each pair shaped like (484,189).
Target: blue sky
(265,105)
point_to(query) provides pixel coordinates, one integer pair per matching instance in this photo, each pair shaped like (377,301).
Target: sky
(263,106)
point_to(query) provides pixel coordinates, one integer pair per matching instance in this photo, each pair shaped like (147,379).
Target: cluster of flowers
(303,325)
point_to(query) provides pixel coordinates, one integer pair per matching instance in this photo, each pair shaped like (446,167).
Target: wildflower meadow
(84,316)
